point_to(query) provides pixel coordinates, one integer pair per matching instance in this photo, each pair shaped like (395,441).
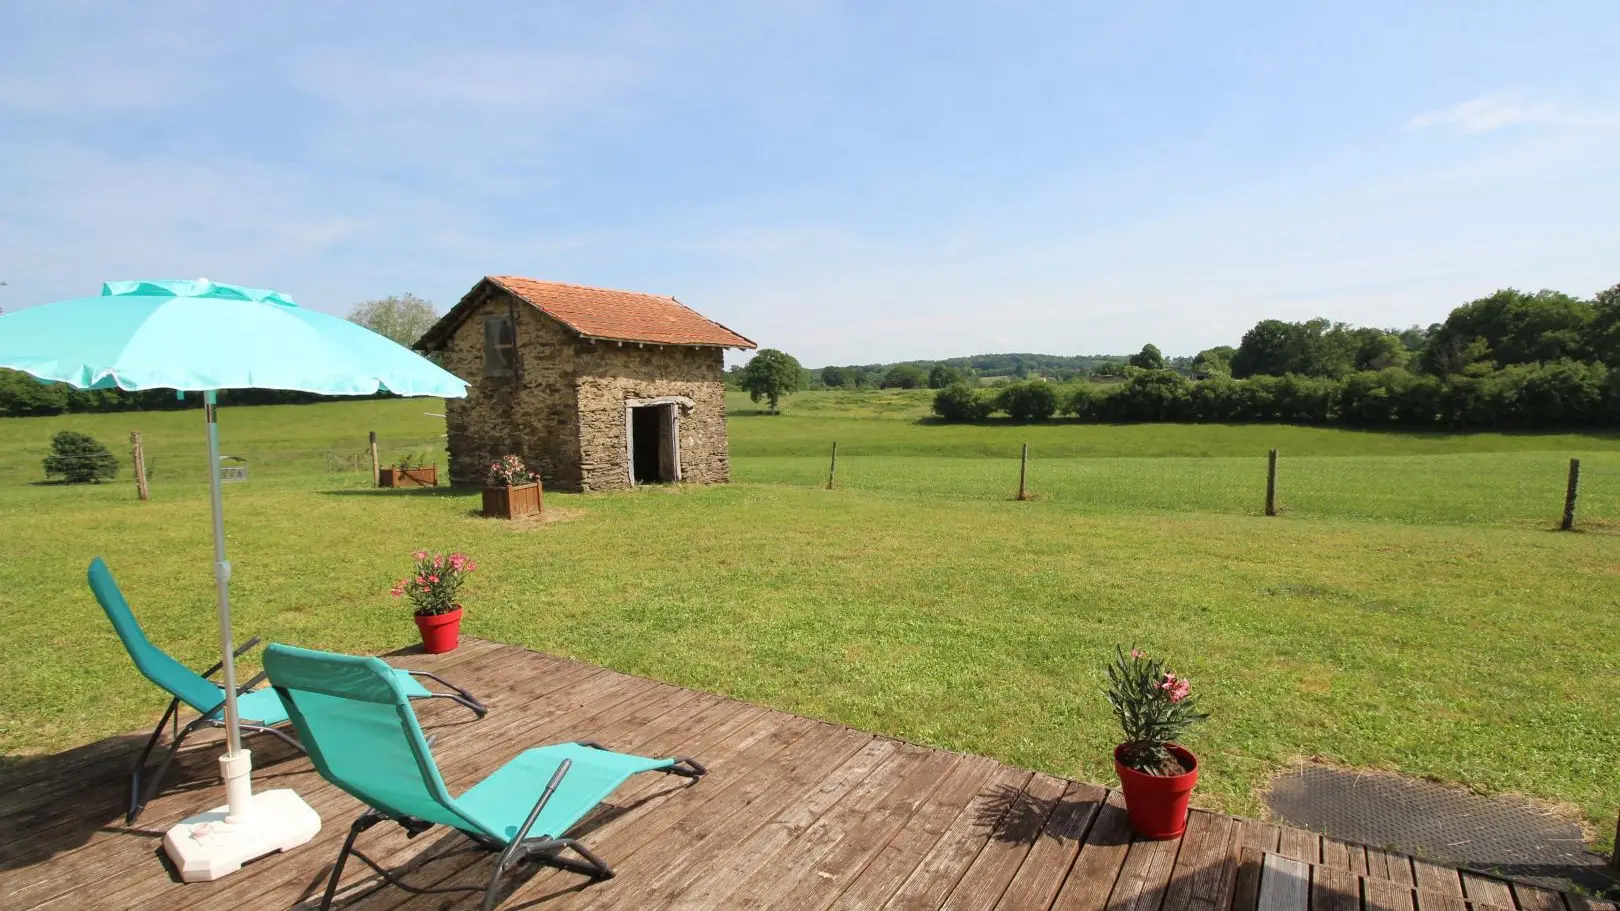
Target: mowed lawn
(918,600)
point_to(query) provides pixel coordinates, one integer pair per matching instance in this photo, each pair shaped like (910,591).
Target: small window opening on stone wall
(500,346)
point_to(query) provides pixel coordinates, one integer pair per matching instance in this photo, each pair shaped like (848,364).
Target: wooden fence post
(1569,495)
(138,451)
(1023,473)
(376,467)
(832,469)
(1271,483)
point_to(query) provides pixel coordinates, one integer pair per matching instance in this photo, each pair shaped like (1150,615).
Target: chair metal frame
(139,798)
(518,850)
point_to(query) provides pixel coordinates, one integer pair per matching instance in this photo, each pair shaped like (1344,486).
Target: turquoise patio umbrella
(202,336)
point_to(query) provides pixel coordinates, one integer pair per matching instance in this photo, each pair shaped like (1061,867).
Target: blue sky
(851,182)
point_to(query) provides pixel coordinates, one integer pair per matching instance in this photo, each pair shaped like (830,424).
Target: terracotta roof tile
(621,315)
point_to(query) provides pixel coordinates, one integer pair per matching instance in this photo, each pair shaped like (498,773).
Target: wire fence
(1512,488)
(347,463)
(1523,488)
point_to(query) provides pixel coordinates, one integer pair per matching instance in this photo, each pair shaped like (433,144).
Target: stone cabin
(594,389)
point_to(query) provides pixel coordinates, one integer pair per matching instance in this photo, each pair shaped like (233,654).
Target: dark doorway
(651,444)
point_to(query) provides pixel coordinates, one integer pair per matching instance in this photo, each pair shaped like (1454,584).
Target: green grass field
(1411,610)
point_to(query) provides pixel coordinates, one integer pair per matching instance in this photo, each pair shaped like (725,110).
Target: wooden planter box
(408,477)
(512,502)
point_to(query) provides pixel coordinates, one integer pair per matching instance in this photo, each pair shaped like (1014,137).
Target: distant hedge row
(1551,395)
(23,396)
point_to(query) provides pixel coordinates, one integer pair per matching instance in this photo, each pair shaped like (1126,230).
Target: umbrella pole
(215,843)
(235,765)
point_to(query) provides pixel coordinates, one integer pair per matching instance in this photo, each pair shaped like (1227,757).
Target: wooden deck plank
(1047,865)
(1333,889)
(889,870)
(1390,866)
(940,869)
(795,814)
(1285,884)
(1215,883)
(1145,876)
(870,768)
(1298,844)
(819,870)
(1382,895)
(1247,894)
(1096,870)
(1262,836)
(1438,888)
(1014,837)
(1201,845)
(1535,898)
(718,826)
(1487,890)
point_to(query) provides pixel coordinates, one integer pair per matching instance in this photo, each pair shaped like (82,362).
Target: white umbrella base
(206,847)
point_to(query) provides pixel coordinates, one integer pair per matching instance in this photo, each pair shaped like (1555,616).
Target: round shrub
(961,402)
(78,459)
(1030,401)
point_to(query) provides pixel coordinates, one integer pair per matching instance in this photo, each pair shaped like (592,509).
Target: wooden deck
(794,814)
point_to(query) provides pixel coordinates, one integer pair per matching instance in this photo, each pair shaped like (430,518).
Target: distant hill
(1056,366)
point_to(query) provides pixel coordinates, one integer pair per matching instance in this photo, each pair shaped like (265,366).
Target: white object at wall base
(206,847)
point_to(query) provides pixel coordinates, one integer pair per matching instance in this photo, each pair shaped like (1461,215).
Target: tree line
(403,318)
(1510,360)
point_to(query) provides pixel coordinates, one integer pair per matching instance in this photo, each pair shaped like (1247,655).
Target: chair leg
(135,802)
(366,821)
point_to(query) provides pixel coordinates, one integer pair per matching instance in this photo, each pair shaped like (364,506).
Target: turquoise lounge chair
(356,720)
(258,711)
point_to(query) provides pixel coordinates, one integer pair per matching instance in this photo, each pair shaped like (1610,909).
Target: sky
(849,182)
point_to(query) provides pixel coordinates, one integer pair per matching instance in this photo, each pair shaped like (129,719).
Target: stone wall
(608,374)
(531,414)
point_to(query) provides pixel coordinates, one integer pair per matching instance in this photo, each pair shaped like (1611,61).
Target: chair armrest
(551,788)
(242,649)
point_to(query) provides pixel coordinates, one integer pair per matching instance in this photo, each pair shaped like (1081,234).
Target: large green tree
(401,317)
(1149,358)
(1603,332)
(770,375)
(1510,327)
(1315,347)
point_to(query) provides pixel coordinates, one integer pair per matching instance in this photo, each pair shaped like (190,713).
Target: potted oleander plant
(409,471)
(512,491)
(1155,707)
(433,588)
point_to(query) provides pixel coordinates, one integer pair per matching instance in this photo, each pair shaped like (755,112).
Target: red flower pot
(440,632)
(1157,804)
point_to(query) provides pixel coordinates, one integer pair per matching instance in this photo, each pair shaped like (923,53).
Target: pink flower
(458,561)
(1138,653)
(1181,690)
(433,578)
(398,590)
(420,555)
(421,580)
(438,561)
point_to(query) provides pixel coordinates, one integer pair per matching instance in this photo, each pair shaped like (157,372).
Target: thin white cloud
(1500,110)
